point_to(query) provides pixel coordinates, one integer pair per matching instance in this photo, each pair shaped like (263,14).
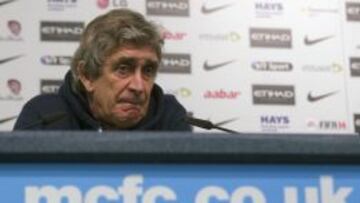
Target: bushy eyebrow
(132,61)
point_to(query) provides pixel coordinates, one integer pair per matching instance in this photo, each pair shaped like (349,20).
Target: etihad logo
(104,4)
(207,9)
(210,67)
(48,86)
(221,94)
(275,66)
(8,59)
(326,124)
(221,37)
(355,66)
(274,123)
(311,97)
(357,123)
(176,8)
(270,38)
(265,9)
(2,3)
(353,11)
(312,41)
(61,31)
(175,63)
(56,60)
(331,68)
(181,92)
(273,94)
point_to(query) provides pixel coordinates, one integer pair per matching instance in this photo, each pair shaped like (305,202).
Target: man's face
(120,97)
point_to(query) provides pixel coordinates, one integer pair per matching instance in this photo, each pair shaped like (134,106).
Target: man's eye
(149,71)
(123,69)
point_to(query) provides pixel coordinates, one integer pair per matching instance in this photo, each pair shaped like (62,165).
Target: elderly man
(111,84)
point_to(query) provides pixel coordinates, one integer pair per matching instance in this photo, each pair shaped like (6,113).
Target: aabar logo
(221,94)
(316,97)
(2,3)
(206,9)
(210,67)
(8,59)
(312,41)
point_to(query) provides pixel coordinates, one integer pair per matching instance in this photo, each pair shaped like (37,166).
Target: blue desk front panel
(136,183)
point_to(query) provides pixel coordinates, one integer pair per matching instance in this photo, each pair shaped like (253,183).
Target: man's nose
(137,82)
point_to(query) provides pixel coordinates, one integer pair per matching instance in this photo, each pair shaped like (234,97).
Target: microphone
(207,124)
(46,120)
(7,119)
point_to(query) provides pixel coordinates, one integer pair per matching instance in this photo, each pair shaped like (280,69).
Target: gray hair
(108,32)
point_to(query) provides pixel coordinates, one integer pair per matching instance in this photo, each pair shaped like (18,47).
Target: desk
(178,167)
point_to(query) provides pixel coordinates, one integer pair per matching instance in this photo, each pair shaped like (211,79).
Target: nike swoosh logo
(310,42)
(208,10)
(4,120)
(225,121)
(6,2)
(2,61)
(312,98)
(215,66)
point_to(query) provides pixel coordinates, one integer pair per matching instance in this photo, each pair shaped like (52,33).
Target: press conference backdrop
(250,65)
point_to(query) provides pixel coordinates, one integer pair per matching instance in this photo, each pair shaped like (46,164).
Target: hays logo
(221,94)
(267,9)
(353,11)
(61,5)
(355,66)
(270,38)
(326,124)
(176,8)
(60,31)
(274,66)
(14,31)
(273,94)
(331,68)
(56,60)
(357,123)
(14,89)
(181,92)
(273,123)
(104,4)
(175,63)
(221,37)
(50,86)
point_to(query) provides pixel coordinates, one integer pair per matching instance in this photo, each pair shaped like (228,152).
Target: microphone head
(199,123)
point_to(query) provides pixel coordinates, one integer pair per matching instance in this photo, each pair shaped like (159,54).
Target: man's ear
(84,78)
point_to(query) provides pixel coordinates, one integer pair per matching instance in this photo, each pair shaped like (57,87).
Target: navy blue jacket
(68,110)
